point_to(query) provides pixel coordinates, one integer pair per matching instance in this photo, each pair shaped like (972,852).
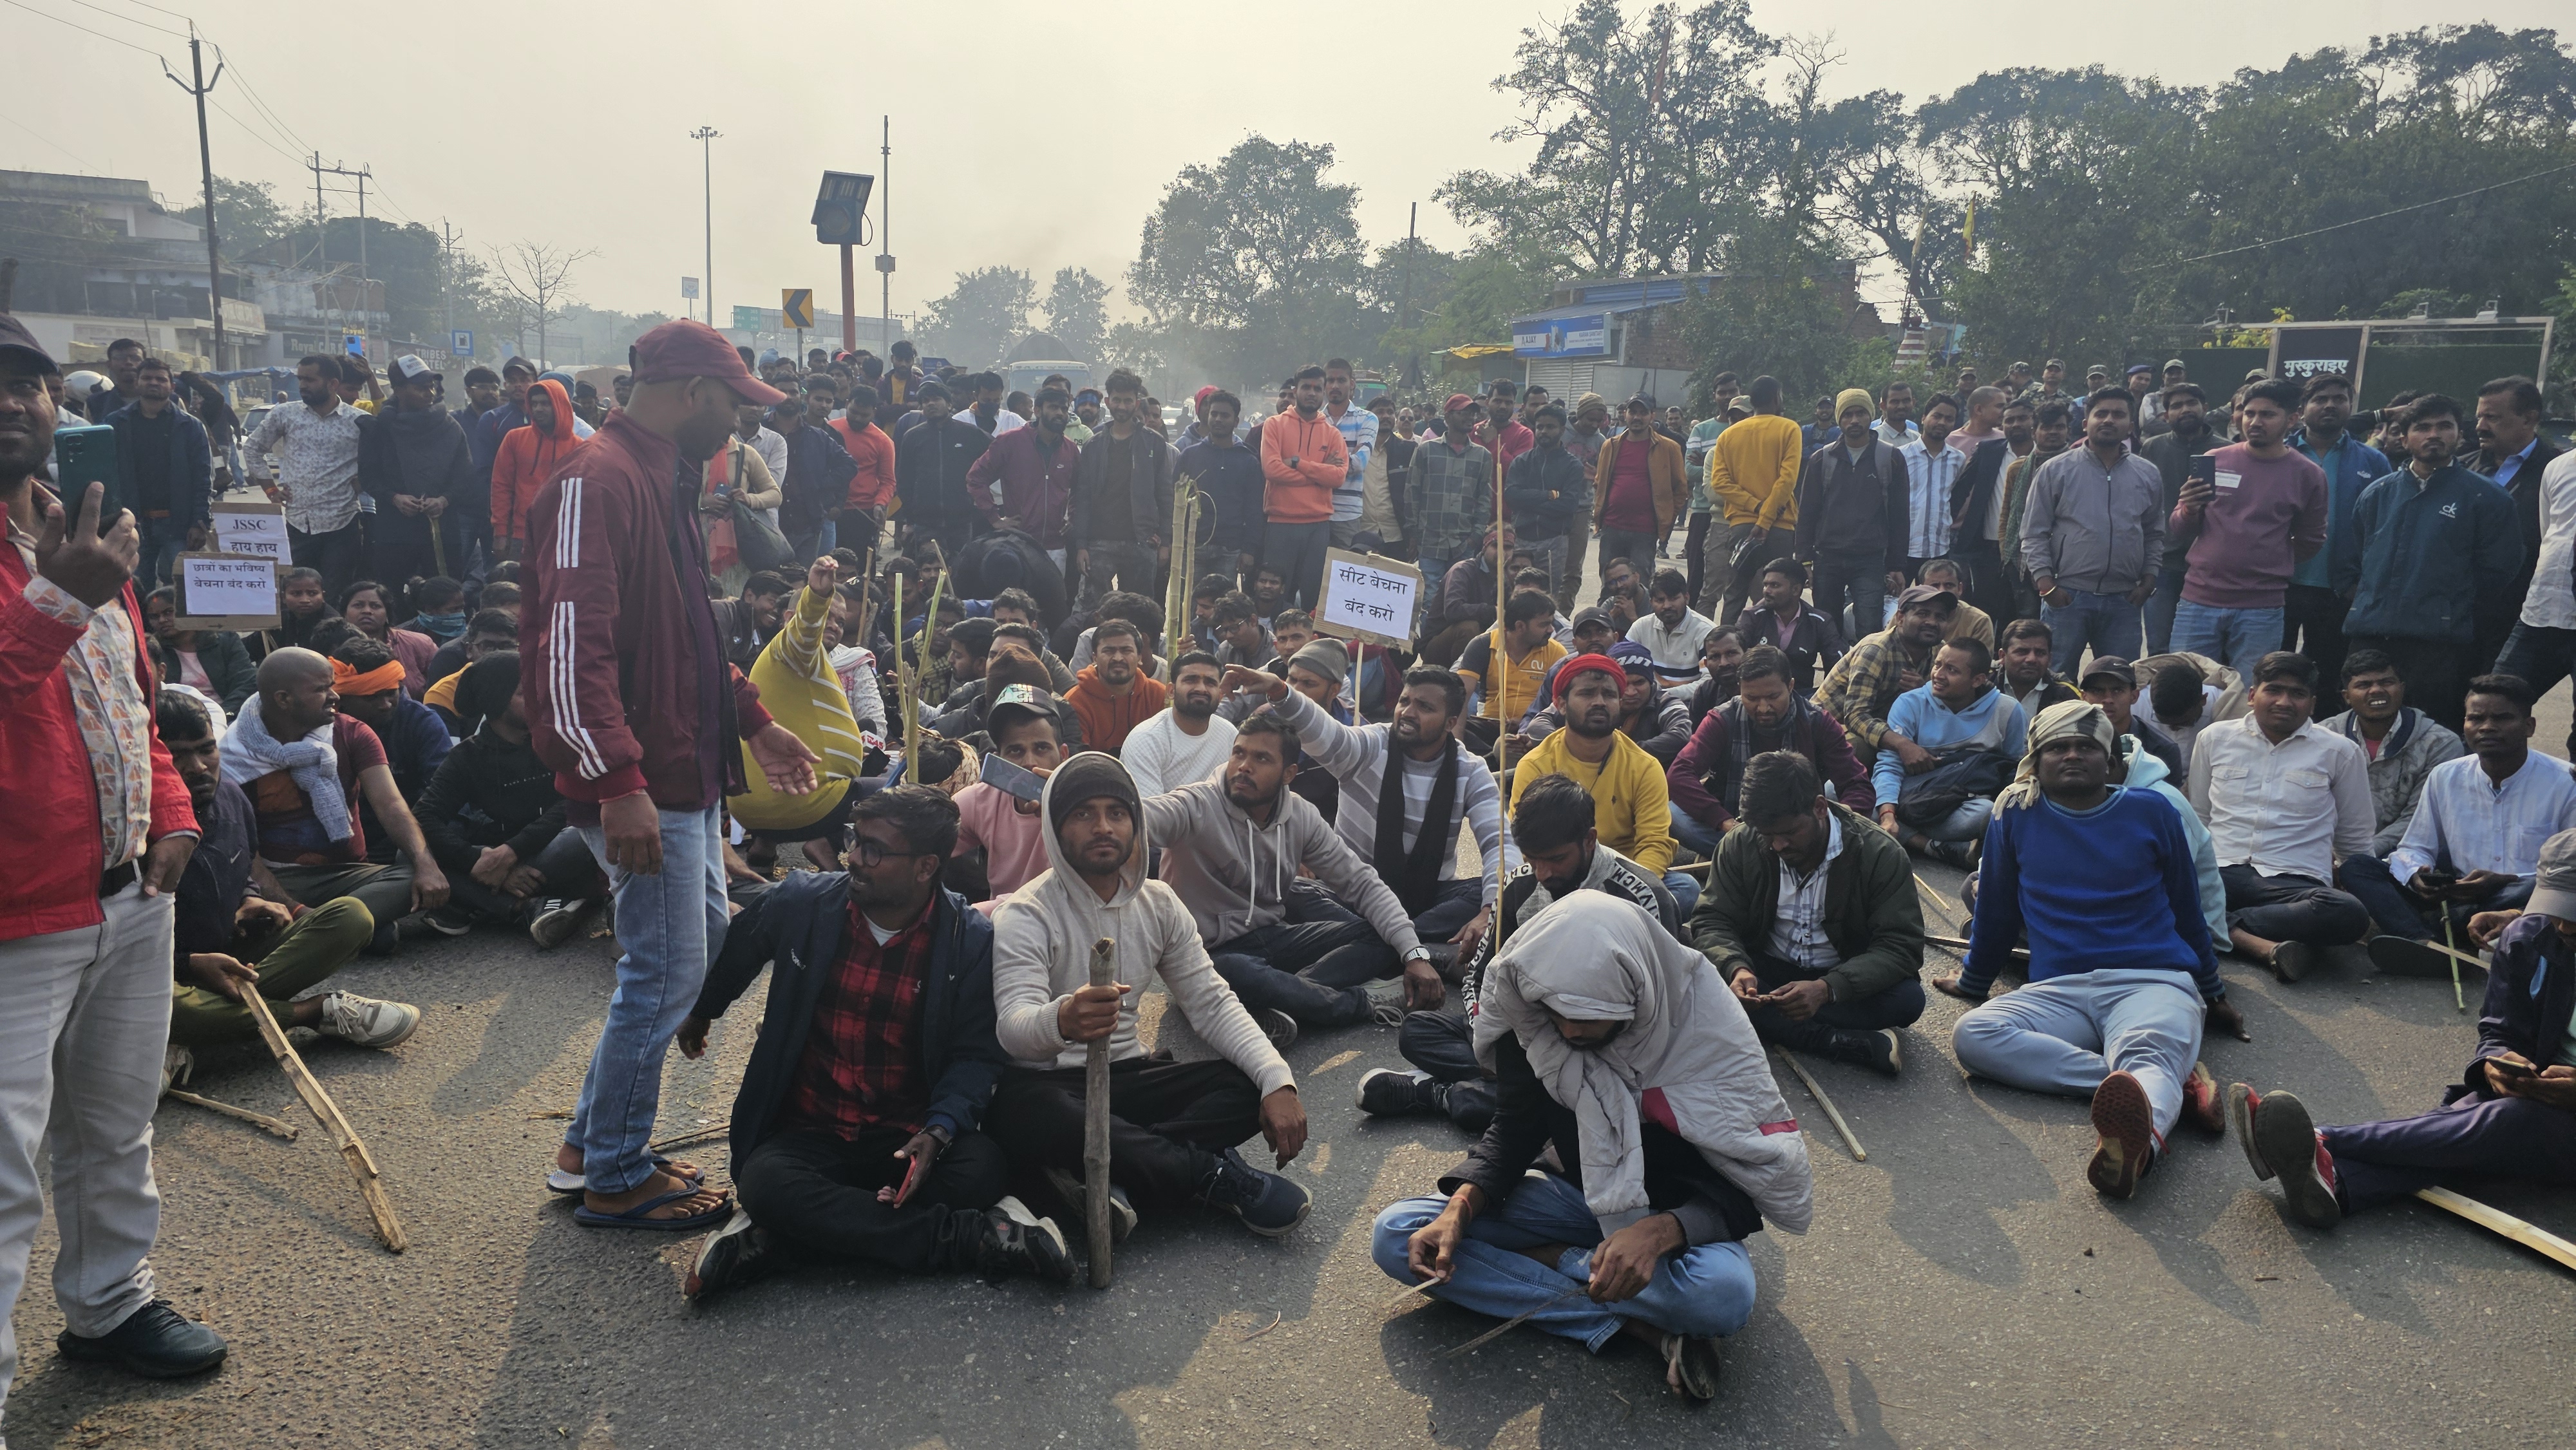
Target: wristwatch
(1418,954)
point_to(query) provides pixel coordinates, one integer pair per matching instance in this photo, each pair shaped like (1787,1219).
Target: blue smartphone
(85,455)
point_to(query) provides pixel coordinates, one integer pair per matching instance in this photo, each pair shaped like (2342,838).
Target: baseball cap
(1019,700)
(2554,891)
(2110,667)
(1918,593)
(1593,614)
(2174,364)
(1643,400)
(1457,401)
(410,369)
(676,351)
(2137,368)
(15,338)
(1633,657)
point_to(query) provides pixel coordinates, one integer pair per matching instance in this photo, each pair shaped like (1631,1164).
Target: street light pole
(706,137)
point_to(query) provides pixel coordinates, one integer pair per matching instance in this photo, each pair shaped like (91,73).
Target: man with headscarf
(1173,1126)
(1623,1049)
(2100,877)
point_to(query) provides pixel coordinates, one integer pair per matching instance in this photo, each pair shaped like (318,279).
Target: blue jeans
(1459,902)
(1434,569)
(2160,612)
(1861,583)
(671,925)
(1688,831)
(2066,1034)
(1685,890)
(1705,1292)
(163,539)
(2236,638)
(1967,823)
(2107,622)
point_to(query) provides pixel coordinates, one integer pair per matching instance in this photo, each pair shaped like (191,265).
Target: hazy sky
(1024,134)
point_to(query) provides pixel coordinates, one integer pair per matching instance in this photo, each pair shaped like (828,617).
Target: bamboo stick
(1832,1115)
(2451,949)
(1095,1130)
(361,1163)
(285,1130)
(2496,1220)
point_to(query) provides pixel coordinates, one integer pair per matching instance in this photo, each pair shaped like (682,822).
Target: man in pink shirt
(2248,513)
(1002,826)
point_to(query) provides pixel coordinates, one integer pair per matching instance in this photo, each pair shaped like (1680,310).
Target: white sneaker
(557,920)
(366,1021)
(1386,1002)
(178,1064)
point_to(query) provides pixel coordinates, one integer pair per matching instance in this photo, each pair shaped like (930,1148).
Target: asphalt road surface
(1963,1287)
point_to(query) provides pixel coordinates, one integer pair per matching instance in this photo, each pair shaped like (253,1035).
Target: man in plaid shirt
(1450,503)
(855,1129)
(1862,684)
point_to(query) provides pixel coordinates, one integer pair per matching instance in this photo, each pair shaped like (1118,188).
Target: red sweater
(873,485)
(53,853)
(1107,718)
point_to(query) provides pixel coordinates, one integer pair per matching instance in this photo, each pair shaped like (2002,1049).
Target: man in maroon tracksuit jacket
(630,699)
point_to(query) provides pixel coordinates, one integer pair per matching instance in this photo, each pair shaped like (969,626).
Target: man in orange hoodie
(1113,694)
(1303,460)
(529,456)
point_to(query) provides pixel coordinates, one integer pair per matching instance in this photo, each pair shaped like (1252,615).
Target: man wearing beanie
(1633,814)
(1173,1126)
(1851,517)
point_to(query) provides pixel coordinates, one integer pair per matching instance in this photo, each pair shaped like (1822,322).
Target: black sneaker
(1268,1204)
(155,1341)
(2286,1138)
(438,920)
(1276,1025)
(2397,956)
(1882,1052)
(557,920)
(1016,1241)
(1068,1186)
(734,1254)
(2292,959)
(1388,1093)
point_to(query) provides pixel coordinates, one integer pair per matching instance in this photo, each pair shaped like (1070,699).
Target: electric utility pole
(206,168)
(706,136)
(885,239)
(447,279)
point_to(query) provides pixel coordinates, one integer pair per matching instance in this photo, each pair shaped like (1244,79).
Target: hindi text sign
(255,529)
(1368,597)
(227,591)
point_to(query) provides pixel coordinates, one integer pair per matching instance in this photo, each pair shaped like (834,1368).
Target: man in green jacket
(1810,915)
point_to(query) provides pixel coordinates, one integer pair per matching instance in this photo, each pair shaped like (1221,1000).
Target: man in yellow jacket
(1639,487)
(1631,812)
(1753,476)
(800,689)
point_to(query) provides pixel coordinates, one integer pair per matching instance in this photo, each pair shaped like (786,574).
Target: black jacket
(1974,491)
(1532,477)
(817,485)
(418,455)
(930,463)
(2525,491)
(2531,992)
(489,792)
(224,658)
(1149,491)
(1811,643)
(795,927)
(1853,510)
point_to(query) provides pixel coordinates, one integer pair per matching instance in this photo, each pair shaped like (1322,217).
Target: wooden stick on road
(2451,948)
(1095,1129)
(1832,1115)
(284,1130)
(370,1180)
(2498,1221)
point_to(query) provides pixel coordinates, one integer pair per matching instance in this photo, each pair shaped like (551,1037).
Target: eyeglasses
(870,853)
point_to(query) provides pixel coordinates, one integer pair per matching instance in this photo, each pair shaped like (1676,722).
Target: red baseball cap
(677,351)
(1457,401)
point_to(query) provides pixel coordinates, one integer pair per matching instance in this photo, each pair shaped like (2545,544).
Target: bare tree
(537,276)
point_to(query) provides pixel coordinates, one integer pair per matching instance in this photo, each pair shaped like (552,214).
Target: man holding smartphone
(2511,1115)
(855,1128)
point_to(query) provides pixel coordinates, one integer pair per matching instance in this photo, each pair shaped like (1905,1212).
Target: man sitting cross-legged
(1624,1050)
(1707,778)
(235,928)
(2472,843)
(1173,1126)
(2511,1115)
(1811,916)
(854,1132)
(1938,804)
(2122,978)
(493,817)
(2284,797)
(2403,743)
(1552,825)
(1409,835)
(1233,845)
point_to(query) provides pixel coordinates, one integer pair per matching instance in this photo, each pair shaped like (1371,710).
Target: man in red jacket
(99,828)
(632,702)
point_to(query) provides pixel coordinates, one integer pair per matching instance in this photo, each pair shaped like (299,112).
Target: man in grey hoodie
(1231,848)
(1046,1012)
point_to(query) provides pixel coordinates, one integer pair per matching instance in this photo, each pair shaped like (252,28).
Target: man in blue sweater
(1975,733)
(2122,979)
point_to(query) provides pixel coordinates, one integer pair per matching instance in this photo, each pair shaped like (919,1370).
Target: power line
(253,132)
(57,145)
(83,29)
(130,20)
(260,103)
(2362,221)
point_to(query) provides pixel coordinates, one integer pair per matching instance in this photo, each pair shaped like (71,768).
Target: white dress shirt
(2551,604)
(1798,925)
(2291,809)
(317,471)
(2469,823)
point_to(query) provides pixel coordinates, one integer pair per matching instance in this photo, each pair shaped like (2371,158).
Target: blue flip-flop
(574,1185)
(640,1215)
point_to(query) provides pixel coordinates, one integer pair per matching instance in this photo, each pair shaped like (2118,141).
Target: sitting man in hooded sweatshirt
(1812,919)
(1173,1126)
(1623,1049)
(2099,878)
(1552,825)
(2511,1115)
(1233,846)
(1409,835)
(1976,734)
(854,1130)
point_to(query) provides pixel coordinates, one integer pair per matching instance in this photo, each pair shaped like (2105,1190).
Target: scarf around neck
(1415,874)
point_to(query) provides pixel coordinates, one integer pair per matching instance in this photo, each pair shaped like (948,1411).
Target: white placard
(220,587)
(244,529)
(1368,597)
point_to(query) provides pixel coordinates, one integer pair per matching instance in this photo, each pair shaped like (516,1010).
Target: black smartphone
(2510,1068)
(1018,782)
(2203,468)
(82,456)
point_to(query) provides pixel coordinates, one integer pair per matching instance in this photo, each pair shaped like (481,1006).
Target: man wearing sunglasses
(854,1133)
